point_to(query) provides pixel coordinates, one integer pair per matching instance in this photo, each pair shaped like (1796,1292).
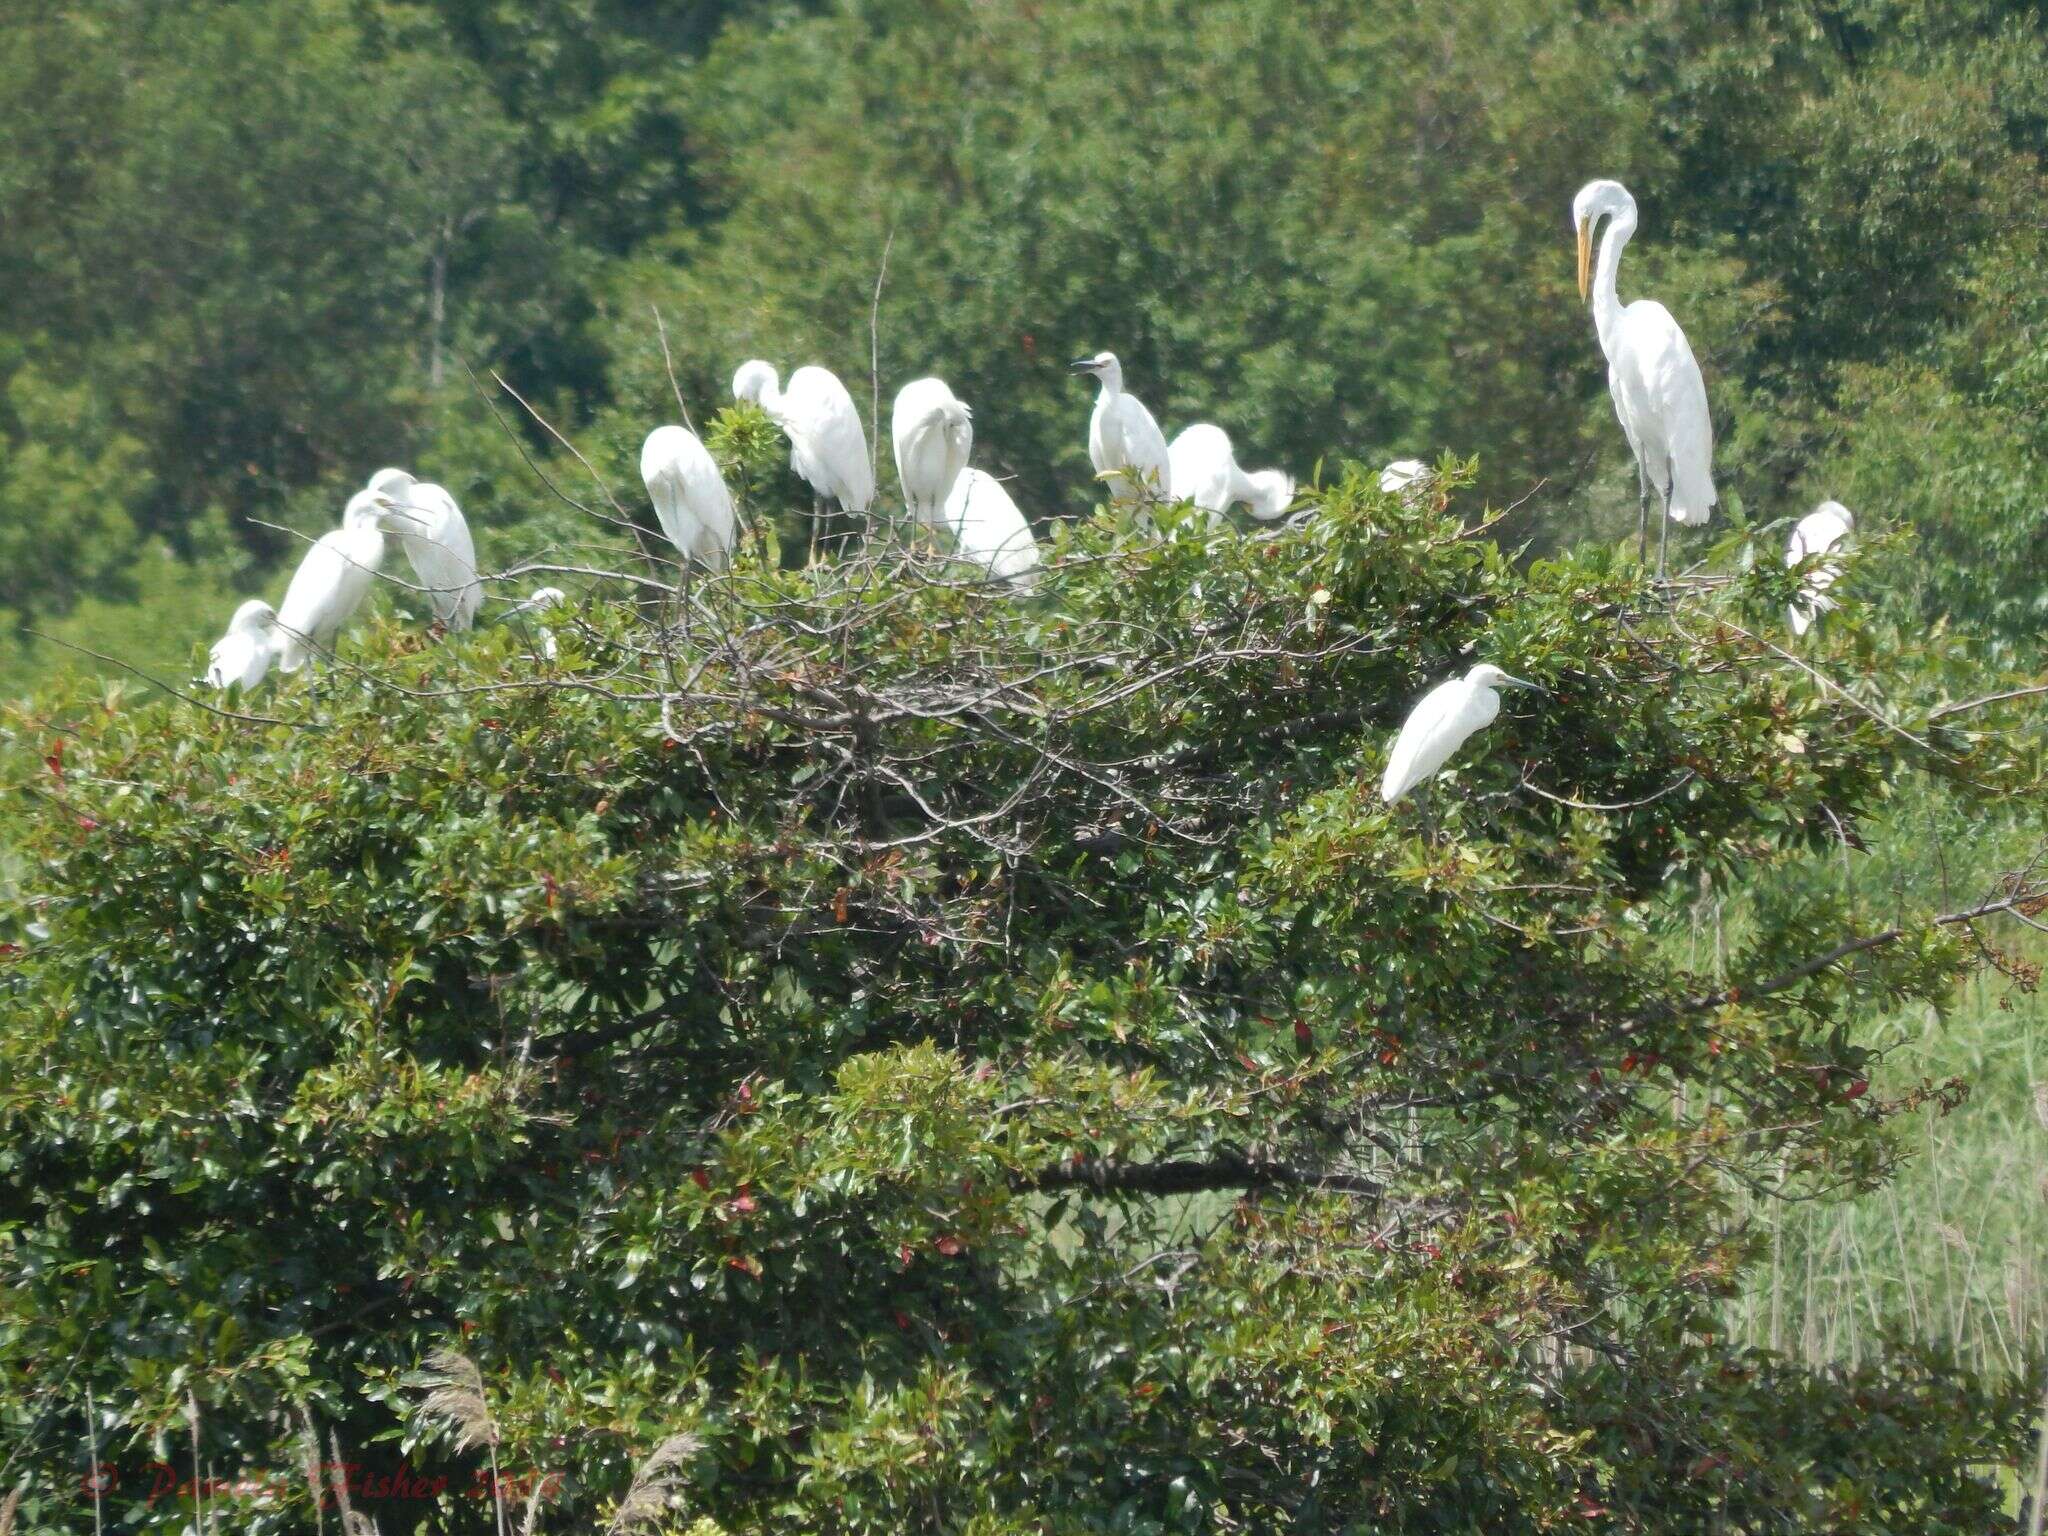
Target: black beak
(1082,365)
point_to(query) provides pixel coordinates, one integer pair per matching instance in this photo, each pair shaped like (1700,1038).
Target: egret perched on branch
(1124,442)
(442,553)
(542,599)
(1658,391)
(241,657)
(1401,474)
(335,576)
(989,530)
(1203,469)
(827,448)
(1439,725)
(689,495)
(934,433)
(1818,532)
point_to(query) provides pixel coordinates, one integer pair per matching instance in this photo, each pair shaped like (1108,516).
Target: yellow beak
(1585,260)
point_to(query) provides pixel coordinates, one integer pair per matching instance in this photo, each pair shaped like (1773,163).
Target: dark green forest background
(250,251)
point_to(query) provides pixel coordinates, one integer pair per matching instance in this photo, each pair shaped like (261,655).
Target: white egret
(241,657)
(689,495)
(934,433)
(442,553)
(827,448)
(1203,469)
(1440,724)
(543,598)
(1401,474)
(334,577)
(1818,532)
(1124,442)
(989,530)
(1658,390)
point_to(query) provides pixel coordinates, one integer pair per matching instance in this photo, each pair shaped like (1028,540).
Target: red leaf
(1246,1062)
(903,1252)
(743,1204)
(950,1246)
(1303,1033)
(56,761)
(703,1179)
(903,1321)
(1857,1089)
(839,904)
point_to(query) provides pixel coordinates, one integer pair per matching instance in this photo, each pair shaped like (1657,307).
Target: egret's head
(252,618)
(754,380)
(1103,366)
(1597,200)
(543,597)
(395,483)
(379,510)
(1837,509)
(1487,675)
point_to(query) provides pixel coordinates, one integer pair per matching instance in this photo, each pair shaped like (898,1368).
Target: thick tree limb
(1187,1176)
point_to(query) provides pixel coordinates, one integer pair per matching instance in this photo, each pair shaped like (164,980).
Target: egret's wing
(825,431)
(307,600)
(231,659)
(688,493)
(1199,467)
(444,557)
(1436,728)
(989,529)
(1677,395)
(1146,460)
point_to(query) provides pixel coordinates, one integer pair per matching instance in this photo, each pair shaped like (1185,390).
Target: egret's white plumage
(827,447)
(934,433)
(689,495)
(1659,393)
(989,529)
(1124,442)
(1440,724)
(334,577)
(1401,474)
(442,553)
(1202,468)
(1818,532)
(241,657)
(543,598)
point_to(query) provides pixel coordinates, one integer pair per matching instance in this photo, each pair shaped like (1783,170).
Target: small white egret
(1818,532)
(1203,469)
(827,448)
(1440,724)
(1124,442)
(989,530)
(442,553)
(543,598)
(334,577)
(1401,474)
(689,495)
(934,433)
(241,657)
(1659,393)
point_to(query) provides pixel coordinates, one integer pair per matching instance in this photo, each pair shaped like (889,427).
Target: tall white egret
(934,433)
(1203,469)
(241,657)
(827,448)
(1658,390)
(543,598)
(1448,714)
(989,530)
(689,495)
(1124,442)
(442,553)
(1401,474)
(334,577)
(1818,532)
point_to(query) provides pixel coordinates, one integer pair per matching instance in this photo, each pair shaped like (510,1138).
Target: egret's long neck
(770,398)
(1606,301)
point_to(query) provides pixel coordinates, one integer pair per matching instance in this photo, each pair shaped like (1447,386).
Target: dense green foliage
(801,1027)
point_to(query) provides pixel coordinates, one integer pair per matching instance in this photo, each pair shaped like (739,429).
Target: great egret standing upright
(827,447)
(689,495)
(934,433)
(1440,724)
(1658,391)
(1203,469)
(241,657)
(442,553)
(990,531)
(1818,532)
(335,576)
(1124,442)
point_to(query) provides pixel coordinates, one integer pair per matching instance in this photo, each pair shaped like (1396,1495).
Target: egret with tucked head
(1659,393)
(241,658)
(689,495)
(1204,469)
(934,433)
(1818,532)
(1447,716)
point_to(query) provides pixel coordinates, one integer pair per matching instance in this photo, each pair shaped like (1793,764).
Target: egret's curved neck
(1606,301)
(770,397)
(1112,383)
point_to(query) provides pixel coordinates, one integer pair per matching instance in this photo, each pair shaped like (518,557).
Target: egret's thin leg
(1642,515)
(817,525)
(1664,539)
